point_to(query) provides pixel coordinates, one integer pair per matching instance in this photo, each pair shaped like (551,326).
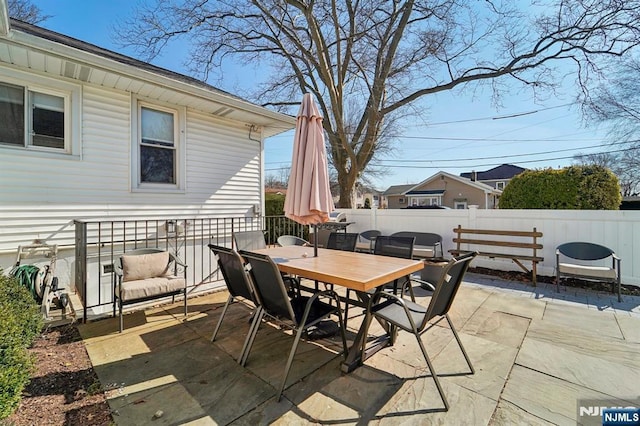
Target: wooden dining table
(357,271)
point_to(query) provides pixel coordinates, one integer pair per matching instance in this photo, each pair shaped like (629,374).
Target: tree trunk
(347,183)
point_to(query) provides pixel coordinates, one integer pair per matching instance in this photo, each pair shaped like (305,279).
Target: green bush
(571,188)
(21,324)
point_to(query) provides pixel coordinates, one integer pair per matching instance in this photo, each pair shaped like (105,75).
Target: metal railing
(99,243)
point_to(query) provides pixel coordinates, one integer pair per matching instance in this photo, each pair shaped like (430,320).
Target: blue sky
(458,133)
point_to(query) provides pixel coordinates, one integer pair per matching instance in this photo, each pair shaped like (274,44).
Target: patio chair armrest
(423,283)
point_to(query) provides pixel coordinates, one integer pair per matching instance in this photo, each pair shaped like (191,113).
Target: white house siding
(41,194)
(616,229)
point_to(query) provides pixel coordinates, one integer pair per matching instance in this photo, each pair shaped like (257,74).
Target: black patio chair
(299,313)
(249,240)
(394,246)
(416,319)
(254,240)
(239,285)
(345,241)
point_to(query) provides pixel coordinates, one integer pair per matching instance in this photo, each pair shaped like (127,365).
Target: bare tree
(25,10)
(622,162)
(374,59)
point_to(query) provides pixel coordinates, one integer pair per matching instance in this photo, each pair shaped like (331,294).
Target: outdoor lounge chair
(576,260)
(415,318)
(366,240)
(239,285)
(299,313)
(427,244)
(292,240)
(144,274)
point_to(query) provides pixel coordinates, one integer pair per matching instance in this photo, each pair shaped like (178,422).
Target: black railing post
(81,264)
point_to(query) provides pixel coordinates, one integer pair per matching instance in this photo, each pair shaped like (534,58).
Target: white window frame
(71,95)
(432,200)
(500,185)
(460,205)
(179,117)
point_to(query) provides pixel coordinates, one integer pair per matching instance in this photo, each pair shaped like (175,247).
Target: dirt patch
(64,388)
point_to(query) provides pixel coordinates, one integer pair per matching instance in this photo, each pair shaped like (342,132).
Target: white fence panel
(616,229)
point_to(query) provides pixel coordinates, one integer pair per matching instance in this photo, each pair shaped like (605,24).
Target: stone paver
(535,351)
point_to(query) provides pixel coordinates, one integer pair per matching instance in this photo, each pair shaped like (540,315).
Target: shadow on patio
(535,357)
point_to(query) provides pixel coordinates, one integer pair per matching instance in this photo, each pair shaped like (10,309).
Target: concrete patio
(536,353)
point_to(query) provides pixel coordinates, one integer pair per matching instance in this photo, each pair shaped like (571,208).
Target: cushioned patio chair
(145,274)
(588,261)
(299,313)
(292,240)
(239,285)
(427,244)
(415,318)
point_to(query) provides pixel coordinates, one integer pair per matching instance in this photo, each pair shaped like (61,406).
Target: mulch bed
(64,389)
(569,282)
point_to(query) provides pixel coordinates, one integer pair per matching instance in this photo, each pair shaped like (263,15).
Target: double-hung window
(157,147)
(34,119)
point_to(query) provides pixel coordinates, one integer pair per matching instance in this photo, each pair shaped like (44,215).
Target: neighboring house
(364,192)
(88,133)
(497,178)
(443,189)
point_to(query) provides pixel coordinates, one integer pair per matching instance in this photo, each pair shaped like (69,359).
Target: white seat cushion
(588,271)
(141,266)
(423,251)
(364,246)
(149,287)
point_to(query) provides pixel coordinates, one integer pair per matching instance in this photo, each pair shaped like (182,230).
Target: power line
(487,158)
(470,120)
(505,156)
(497,164)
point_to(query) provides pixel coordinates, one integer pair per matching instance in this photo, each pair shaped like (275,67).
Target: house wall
(393,201)
(454,191)
(616,229)
(42,193)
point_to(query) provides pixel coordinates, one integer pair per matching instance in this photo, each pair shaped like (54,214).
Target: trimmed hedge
(21,323)
(570,188)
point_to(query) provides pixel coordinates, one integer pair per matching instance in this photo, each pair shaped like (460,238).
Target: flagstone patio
(536,353)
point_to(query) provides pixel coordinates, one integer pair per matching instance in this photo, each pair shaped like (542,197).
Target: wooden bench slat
(498,243)
(501,255)
(461,238)
(498,232)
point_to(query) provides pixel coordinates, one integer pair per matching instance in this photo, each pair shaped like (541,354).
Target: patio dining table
(357,271)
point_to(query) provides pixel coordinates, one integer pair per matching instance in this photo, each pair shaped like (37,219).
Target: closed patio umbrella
(308,200)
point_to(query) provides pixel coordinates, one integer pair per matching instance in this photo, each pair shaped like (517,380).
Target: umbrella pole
(315,240)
